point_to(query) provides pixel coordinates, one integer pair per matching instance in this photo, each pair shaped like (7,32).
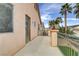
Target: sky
(50,11)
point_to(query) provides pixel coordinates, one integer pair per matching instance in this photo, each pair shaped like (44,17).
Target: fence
(68,44)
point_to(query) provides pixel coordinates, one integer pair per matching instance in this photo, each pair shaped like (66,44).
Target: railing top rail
(68,36)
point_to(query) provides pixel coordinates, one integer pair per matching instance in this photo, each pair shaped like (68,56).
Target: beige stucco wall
(53,35)
(12,42)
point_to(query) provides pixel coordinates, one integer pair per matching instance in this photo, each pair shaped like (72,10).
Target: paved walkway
(40,46)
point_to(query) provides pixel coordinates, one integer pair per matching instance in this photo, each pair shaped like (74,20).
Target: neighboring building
(23,26)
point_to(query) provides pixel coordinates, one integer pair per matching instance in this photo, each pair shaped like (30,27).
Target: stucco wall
(12,42)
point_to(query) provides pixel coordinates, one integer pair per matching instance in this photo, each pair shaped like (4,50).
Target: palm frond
(77,15)
(66,7)
(76,10)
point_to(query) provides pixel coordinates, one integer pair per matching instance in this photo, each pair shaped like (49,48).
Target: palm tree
(65,9)
(76,10)
(55,23)
(51,23)
(58,21)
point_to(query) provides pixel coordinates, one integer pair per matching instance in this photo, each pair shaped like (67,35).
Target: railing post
(53,35)
(78,53)
(71,51)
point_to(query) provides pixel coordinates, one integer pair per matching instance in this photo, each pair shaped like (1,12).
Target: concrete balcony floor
(40,46)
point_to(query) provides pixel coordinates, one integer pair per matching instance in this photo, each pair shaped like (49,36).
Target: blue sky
(50,11)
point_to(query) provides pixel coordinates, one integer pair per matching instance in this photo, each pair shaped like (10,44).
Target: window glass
(6,11)
(34,24)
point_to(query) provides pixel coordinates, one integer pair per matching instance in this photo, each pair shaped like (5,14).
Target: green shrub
(69,31)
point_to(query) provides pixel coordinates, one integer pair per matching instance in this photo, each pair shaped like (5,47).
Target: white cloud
(45,17)
(73,19)
(53,6)
(49,8)
(70,19)
(46,25)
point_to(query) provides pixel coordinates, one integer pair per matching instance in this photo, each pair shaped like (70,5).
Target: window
(34,24)
(6,11)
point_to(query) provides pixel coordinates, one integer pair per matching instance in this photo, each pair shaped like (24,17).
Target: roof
(36,6)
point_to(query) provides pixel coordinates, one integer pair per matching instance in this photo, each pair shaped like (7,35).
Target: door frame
(29,28)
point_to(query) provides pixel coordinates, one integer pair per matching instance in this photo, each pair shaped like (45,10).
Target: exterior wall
(10,43)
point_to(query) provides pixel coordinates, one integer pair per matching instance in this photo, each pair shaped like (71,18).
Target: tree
(76,10)
(58,21)
(55,23)
(65,9)
(51,23)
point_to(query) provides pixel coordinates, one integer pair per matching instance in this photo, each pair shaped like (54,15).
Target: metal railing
(69,41)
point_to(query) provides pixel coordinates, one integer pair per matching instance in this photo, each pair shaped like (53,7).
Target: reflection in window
(6,10)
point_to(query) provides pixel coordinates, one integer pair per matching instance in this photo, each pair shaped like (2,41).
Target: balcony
(40,46)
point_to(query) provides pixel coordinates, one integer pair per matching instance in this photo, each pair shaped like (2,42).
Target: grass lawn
(68,51)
